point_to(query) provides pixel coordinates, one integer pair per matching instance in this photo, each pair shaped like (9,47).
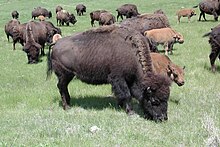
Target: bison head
(176,74)
(72,19)
(155,97)
(33,51)
(179,38)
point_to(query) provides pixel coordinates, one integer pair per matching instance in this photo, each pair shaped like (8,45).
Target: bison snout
(180,83)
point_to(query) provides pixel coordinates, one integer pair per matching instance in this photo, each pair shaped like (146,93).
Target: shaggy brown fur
(80,9)
(185,13)
(106,18)
(163,65)
(9,27)
(95,16)
(214,41)
(100,56)
(165,36)
(15,14)
(146,22)
(127,10)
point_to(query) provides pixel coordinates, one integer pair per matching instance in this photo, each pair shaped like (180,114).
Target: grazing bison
(146,22)
(214,41)
(100,56)
(211,7)
(95,15)
(58,8)
(41,11)
(106,18)
(9,27)
(80,9)
(65,17)
(31,47)
(163,65)
(127,10)
(15,14)
(185,13)
(165,36)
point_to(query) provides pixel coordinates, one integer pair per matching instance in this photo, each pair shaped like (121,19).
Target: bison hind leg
(122,92)
(63,81)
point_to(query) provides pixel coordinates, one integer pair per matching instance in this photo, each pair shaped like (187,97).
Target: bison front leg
(122,92)
(63,82)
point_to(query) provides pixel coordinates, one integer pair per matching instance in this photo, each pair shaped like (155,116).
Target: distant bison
(211,7)
(214,41)
(65,17)
(127,10)
(58,8)
(165,36)
(100,56)
(15,14)
(9,27)
(146,22)
(41,11)
(95,16)
(185,13)
(163,65)
(106,18)
(80,9)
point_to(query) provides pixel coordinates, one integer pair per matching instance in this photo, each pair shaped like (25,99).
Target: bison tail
(195,6)
(207,34)
(49,62)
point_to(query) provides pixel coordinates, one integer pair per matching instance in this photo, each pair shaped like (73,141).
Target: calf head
(72,19)
(156,91)
(192,13)
(178,38)
(176,74)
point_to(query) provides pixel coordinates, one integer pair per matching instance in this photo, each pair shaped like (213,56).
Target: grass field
(31,112)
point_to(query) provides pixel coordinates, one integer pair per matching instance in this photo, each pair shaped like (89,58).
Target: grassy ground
(31,112)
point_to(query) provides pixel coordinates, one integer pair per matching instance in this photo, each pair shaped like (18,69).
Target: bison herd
(124,55)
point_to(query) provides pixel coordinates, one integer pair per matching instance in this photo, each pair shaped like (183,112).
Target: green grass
(31,111)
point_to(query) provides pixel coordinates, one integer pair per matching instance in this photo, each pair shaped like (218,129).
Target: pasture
(31,111)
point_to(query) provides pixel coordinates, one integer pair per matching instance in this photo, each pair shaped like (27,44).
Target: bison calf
(80,9)
(163,65)
(165,36)
(106,18)
(185,13)
(15,14)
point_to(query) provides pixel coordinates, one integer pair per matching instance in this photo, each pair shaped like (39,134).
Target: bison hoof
(67,107)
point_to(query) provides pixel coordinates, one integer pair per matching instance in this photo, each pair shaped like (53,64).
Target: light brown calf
(163,65)
(166,37)
(41,18)
(56,37)
(185,13)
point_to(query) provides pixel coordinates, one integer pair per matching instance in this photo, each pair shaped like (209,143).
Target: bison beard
(113,55)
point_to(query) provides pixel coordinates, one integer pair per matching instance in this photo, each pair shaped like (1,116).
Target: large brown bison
(100,56)
(146,22)
(41,11)
(163,65)
(15,14)
(214,41)
(9,27)
(95,15)
(211,7)
(127,10)
(106,18)
(80,9)
(65,17)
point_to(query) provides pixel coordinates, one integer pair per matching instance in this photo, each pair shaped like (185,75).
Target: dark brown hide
(214,41)
(95,16)
(146,22)
(65,17)
(100,56)
(106,18)
(9,27)
(80,9)
(15,14)
(211,7)
(41,11)
(58,8)
(127,10)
